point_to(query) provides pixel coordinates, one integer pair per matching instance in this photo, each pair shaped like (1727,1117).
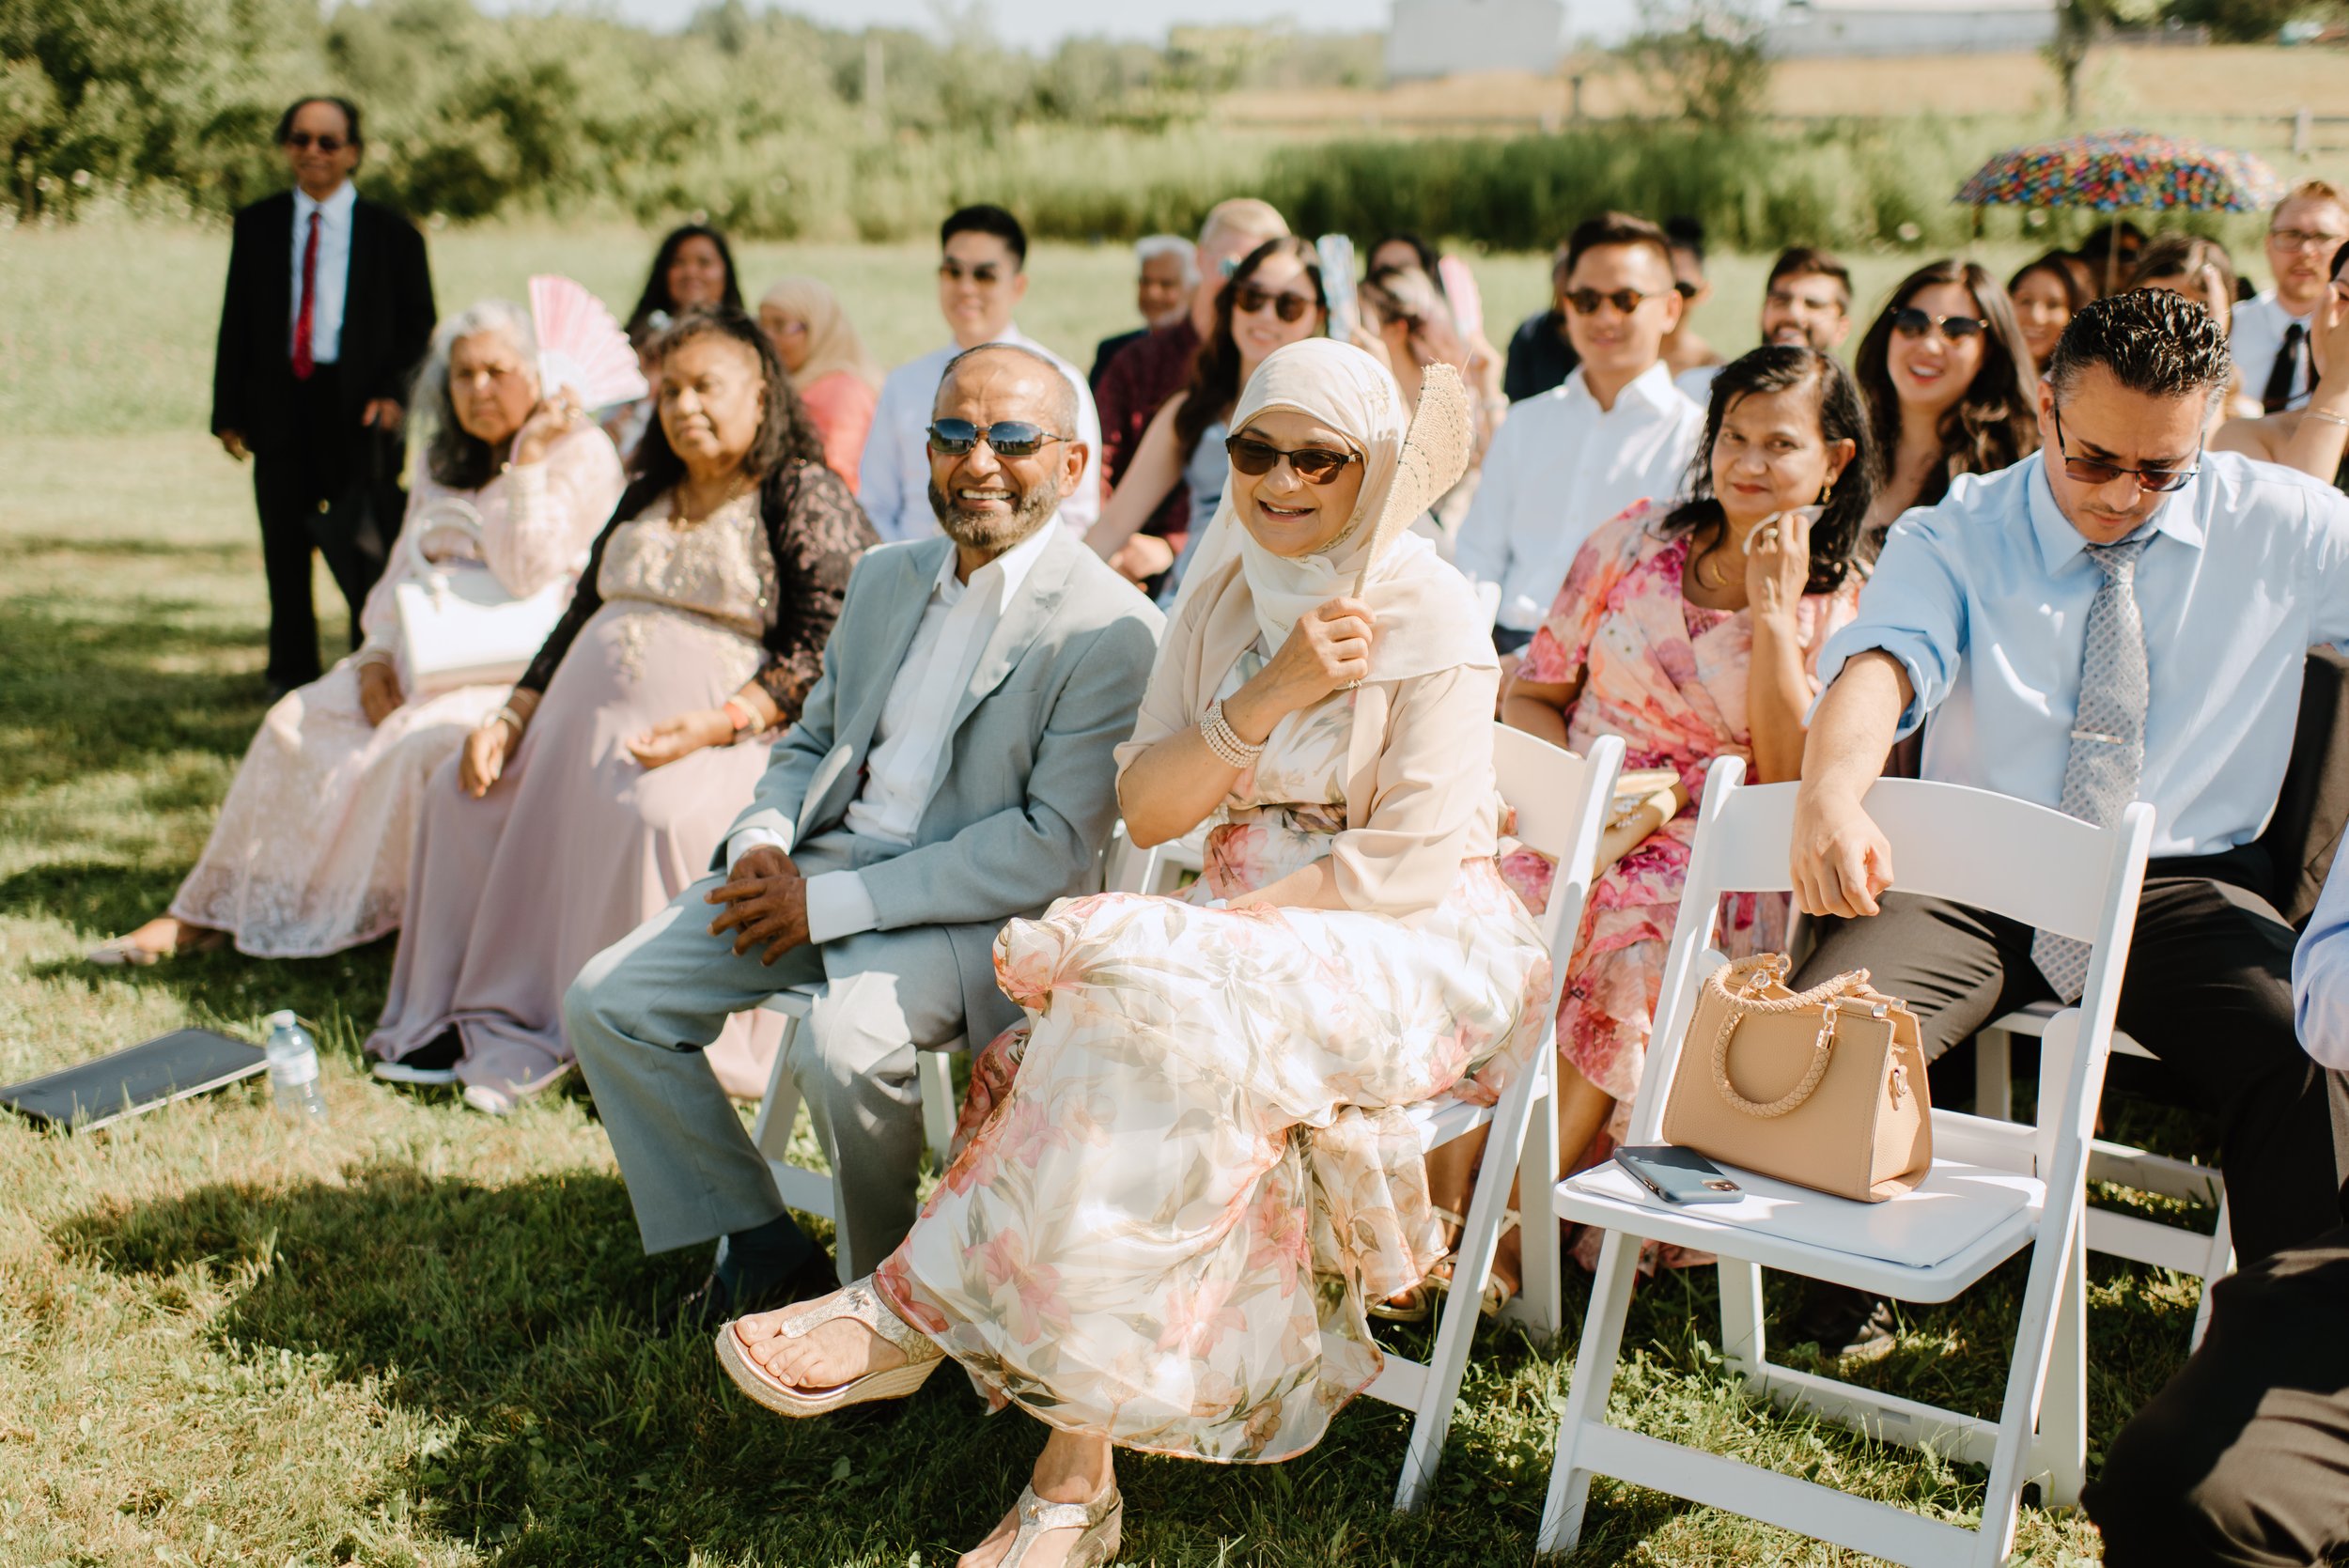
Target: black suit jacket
(387,320)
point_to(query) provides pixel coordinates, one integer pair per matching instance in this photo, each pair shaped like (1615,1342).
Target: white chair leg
(2062,1446)
(1993,1075)
(771,1133)
(1591,1381)
(936,1075)
(1741,1319)
(1541,1296)
(2221,1265)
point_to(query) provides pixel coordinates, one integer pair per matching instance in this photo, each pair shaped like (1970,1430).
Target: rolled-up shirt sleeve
(2320,976)
(1914,609)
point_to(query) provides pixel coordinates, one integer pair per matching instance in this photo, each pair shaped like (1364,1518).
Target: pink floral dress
(1165,1227)
(1668,678)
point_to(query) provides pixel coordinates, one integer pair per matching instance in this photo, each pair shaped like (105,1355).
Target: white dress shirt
(2319,975)
(1697,385)
(2258,335)
(1984,596)
(911,739)
(1559,468)
(334,273)
(894,474)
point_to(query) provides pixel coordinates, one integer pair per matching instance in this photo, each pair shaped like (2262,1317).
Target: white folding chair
(1995,1188)
(2209,1255)
(810,1192)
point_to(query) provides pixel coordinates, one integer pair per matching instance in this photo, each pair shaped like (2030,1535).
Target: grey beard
(1030,514)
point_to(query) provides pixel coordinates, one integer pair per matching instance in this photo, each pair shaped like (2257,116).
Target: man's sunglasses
(1009,438)
(1911,323)
(1252,298)
(302,141)
(1585,302)
(1685,290)
(1315,465)
(2089,471)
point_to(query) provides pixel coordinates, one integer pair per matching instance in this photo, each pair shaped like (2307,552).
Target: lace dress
(1165,1226)
(310,853)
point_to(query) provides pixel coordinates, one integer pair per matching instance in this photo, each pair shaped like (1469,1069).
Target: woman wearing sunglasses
(1160,1232)
(1946,380)
(1273,299)
(2314,437)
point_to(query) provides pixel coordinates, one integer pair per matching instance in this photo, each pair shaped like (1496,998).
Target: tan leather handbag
(1825,1088)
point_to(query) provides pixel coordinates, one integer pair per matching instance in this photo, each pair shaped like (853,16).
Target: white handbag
(458,626)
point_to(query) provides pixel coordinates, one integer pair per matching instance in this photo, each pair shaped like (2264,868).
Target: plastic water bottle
(293,1069)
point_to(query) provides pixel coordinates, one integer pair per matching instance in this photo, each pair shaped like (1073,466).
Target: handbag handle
(1766,967)
(447,514)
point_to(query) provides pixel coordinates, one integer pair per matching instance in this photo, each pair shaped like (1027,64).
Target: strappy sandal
(1099,1525)
(1496,1294)
(1418,1303)
(855,1301)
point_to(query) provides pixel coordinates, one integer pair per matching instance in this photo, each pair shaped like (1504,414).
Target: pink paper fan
(581,346)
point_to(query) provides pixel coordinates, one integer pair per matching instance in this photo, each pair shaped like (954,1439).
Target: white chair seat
(1924,1246)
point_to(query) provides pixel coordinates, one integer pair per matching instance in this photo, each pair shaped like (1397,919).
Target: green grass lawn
(417,1336)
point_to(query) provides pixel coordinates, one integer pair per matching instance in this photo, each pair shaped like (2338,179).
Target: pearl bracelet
(1223,740)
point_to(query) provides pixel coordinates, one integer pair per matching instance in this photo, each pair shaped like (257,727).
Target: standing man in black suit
(329,311)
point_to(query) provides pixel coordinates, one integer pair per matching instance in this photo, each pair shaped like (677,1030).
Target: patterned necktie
(303,360)
(2107,735)
(2277,395)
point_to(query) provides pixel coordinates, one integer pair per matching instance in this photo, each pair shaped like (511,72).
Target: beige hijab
(832,343)
(1426,613)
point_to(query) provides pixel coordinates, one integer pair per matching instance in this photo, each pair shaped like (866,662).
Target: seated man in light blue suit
(952,770)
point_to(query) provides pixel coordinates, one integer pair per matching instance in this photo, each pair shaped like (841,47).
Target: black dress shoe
(725,1295)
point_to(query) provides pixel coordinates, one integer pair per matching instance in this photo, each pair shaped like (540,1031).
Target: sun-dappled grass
(417,1336)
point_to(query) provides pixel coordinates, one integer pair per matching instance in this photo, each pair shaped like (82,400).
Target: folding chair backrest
(1547,787)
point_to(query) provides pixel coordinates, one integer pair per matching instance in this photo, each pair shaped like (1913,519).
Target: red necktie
(302,362)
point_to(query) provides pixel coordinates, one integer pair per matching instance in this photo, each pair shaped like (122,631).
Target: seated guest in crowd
(829,369)
(1273,299)
(693,270)
(2125,616)
(2314,437)
(951,769)
(1806,301)
(310,854)
(1138,1239)
(2201,270)
(1948,385)
(1541,351)
(1166,273)
(600,788)
(1684,349)
(1412,318)
(2109,253)
(1694,632)
(1616,432)
(2046,293)
(981,279)
(1137,383)
(2239,1459)
(2270,333)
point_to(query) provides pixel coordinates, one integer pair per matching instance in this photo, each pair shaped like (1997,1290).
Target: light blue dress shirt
(1984,598)
(2319,975)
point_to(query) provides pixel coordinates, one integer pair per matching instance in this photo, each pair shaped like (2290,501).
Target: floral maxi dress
(1166,1229)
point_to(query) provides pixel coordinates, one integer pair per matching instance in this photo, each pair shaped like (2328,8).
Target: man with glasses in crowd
(952,770)
(327,314)
(1805,305)
(2120,616)
(1616,431)
(2271,330)
(982,277)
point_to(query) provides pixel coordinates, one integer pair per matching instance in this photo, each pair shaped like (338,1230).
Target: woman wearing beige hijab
(829,369)
(1161,1232)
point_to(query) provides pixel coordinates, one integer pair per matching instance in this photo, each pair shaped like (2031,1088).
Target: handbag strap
(446,514)
(1766,967)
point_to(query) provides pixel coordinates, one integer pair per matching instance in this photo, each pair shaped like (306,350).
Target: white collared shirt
(915,727)
(2257,335)
(1559,468)
(894,474)
(334,270)
(1984,598)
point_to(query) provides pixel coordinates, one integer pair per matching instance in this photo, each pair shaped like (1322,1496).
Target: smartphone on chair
(1678,1176)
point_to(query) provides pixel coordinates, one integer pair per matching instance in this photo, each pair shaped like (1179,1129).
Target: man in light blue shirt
(2197,581)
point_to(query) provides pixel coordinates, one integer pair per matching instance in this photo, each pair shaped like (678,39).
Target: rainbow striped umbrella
(2114,171)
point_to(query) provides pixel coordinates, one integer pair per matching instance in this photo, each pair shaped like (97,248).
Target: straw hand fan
(581,346)
(1435,455)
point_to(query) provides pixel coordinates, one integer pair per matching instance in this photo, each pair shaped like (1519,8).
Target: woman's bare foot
(165,936)
(834,1352)
(1073,1468)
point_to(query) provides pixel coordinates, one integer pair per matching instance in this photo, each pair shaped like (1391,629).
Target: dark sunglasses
(303,141)
(2090,471)
(1911,323)
(1585,302)
(1009,438)
(1252,298)
(1315,465)
(1685,290)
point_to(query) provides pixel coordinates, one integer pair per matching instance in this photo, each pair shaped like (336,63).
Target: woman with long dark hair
(694,270)
(2046,292)
(1274,298)
(1948,385)
(603,784)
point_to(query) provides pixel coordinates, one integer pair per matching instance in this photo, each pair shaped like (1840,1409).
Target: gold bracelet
(2328,418)
(506,712)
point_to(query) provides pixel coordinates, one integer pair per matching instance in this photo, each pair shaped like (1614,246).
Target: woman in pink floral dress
(1693,631)
(1162,1234)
